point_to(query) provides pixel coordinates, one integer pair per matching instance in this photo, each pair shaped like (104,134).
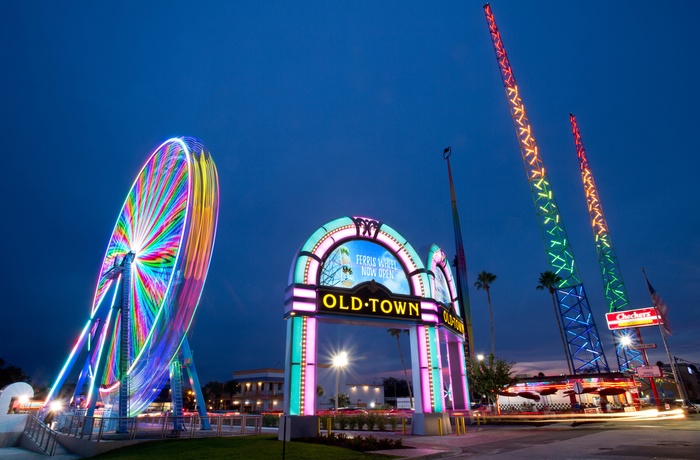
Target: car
(688,406)
(692,406)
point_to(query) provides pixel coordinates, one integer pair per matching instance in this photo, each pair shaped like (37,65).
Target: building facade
(259,390)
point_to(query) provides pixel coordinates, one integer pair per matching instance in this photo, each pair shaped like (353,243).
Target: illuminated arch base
(356,269)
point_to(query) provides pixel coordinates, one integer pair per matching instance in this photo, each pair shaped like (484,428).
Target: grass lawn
(263,447)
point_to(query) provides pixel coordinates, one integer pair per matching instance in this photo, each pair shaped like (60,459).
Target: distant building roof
(268,374)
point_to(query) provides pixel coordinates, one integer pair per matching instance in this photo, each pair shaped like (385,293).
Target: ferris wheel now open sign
(632,318)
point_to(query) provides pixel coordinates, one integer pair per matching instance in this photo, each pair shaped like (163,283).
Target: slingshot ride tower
(615,292)
(148,289)
(583,341)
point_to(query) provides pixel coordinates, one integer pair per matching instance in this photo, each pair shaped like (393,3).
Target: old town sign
(368,299)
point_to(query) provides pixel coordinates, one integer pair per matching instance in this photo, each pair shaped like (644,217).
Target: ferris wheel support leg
(94,388)
(125,343)
(188,364)
(176,393)
(77,348)
(92,354)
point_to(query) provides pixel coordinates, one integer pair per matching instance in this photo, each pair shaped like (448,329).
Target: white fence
(100,428)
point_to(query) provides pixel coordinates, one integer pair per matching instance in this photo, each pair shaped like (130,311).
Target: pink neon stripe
(424,371)
(305,293)
(325,246)
(422,356)
(310,371)
(313,272)
(463,373)
(344,234)
(303,306)
(429,318)
(399,250)
(425,390)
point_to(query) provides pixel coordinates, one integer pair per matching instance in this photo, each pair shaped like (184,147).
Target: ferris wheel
(150,281)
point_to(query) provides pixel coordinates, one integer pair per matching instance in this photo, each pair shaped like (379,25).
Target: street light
(625,340)
(339,362)
(480,357)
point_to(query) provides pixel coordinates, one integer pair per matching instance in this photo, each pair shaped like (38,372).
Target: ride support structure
(583,341)
(460,266)
(615,291)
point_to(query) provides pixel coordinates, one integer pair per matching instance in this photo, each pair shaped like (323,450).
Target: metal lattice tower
(460,266)
(615,292)
(125,343)
(583,342)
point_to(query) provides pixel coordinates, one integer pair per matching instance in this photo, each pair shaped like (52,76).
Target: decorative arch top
(322,242)
(307,271)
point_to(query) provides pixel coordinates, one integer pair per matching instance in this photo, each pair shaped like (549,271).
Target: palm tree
(484,281)
(550,281)
(397,333)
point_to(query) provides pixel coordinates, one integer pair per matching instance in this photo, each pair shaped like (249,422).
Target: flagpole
(662,320)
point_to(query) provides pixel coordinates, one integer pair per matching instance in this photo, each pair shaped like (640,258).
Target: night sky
(317,110)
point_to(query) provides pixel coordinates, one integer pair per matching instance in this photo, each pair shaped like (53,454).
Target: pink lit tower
(615,292)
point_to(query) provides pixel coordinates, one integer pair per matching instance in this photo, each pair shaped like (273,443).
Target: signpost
(641,317)
(642,346)
(648,371)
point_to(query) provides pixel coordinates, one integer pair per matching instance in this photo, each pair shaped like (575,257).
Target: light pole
(339,362)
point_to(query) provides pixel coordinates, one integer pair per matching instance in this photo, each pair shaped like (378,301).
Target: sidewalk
(670,439)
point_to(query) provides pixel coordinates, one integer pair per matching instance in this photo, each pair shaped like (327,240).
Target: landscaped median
(261,447)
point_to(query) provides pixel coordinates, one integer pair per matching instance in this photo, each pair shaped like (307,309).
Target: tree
(489,376)
(397,333)
(11,374)
(213,391)
(394,387)
(484,281)
(343,400)
(229,389)
(550,281)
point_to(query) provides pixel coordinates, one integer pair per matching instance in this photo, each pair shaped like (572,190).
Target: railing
(156,427)
(44,436)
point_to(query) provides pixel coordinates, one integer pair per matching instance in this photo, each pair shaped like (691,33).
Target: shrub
(271,420)
(341,422)
(393,422)
(358,443)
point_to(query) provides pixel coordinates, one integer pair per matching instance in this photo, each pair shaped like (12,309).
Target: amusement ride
(148,288)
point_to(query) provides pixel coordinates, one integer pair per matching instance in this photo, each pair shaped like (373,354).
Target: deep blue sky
(316,110)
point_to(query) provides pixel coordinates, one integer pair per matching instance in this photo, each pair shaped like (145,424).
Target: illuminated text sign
(369,299)
(451,321)
(632,318)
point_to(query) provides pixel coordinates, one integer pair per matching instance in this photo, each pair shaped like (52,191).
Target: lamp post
(339,362)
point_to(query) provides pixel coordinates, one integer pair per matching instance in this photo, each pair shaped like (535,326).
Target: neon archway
(355,269)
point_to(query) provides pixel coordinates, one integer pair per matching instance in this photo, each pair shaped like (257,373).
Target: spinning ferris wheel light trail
(149,284)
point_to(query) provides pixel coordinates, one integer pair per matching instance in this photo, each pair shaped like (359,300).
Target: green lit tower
(582,340)
(615,292)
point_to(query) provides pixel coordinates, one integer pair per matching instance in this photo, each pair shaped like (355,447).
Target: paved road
(668,439)
(662,439)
